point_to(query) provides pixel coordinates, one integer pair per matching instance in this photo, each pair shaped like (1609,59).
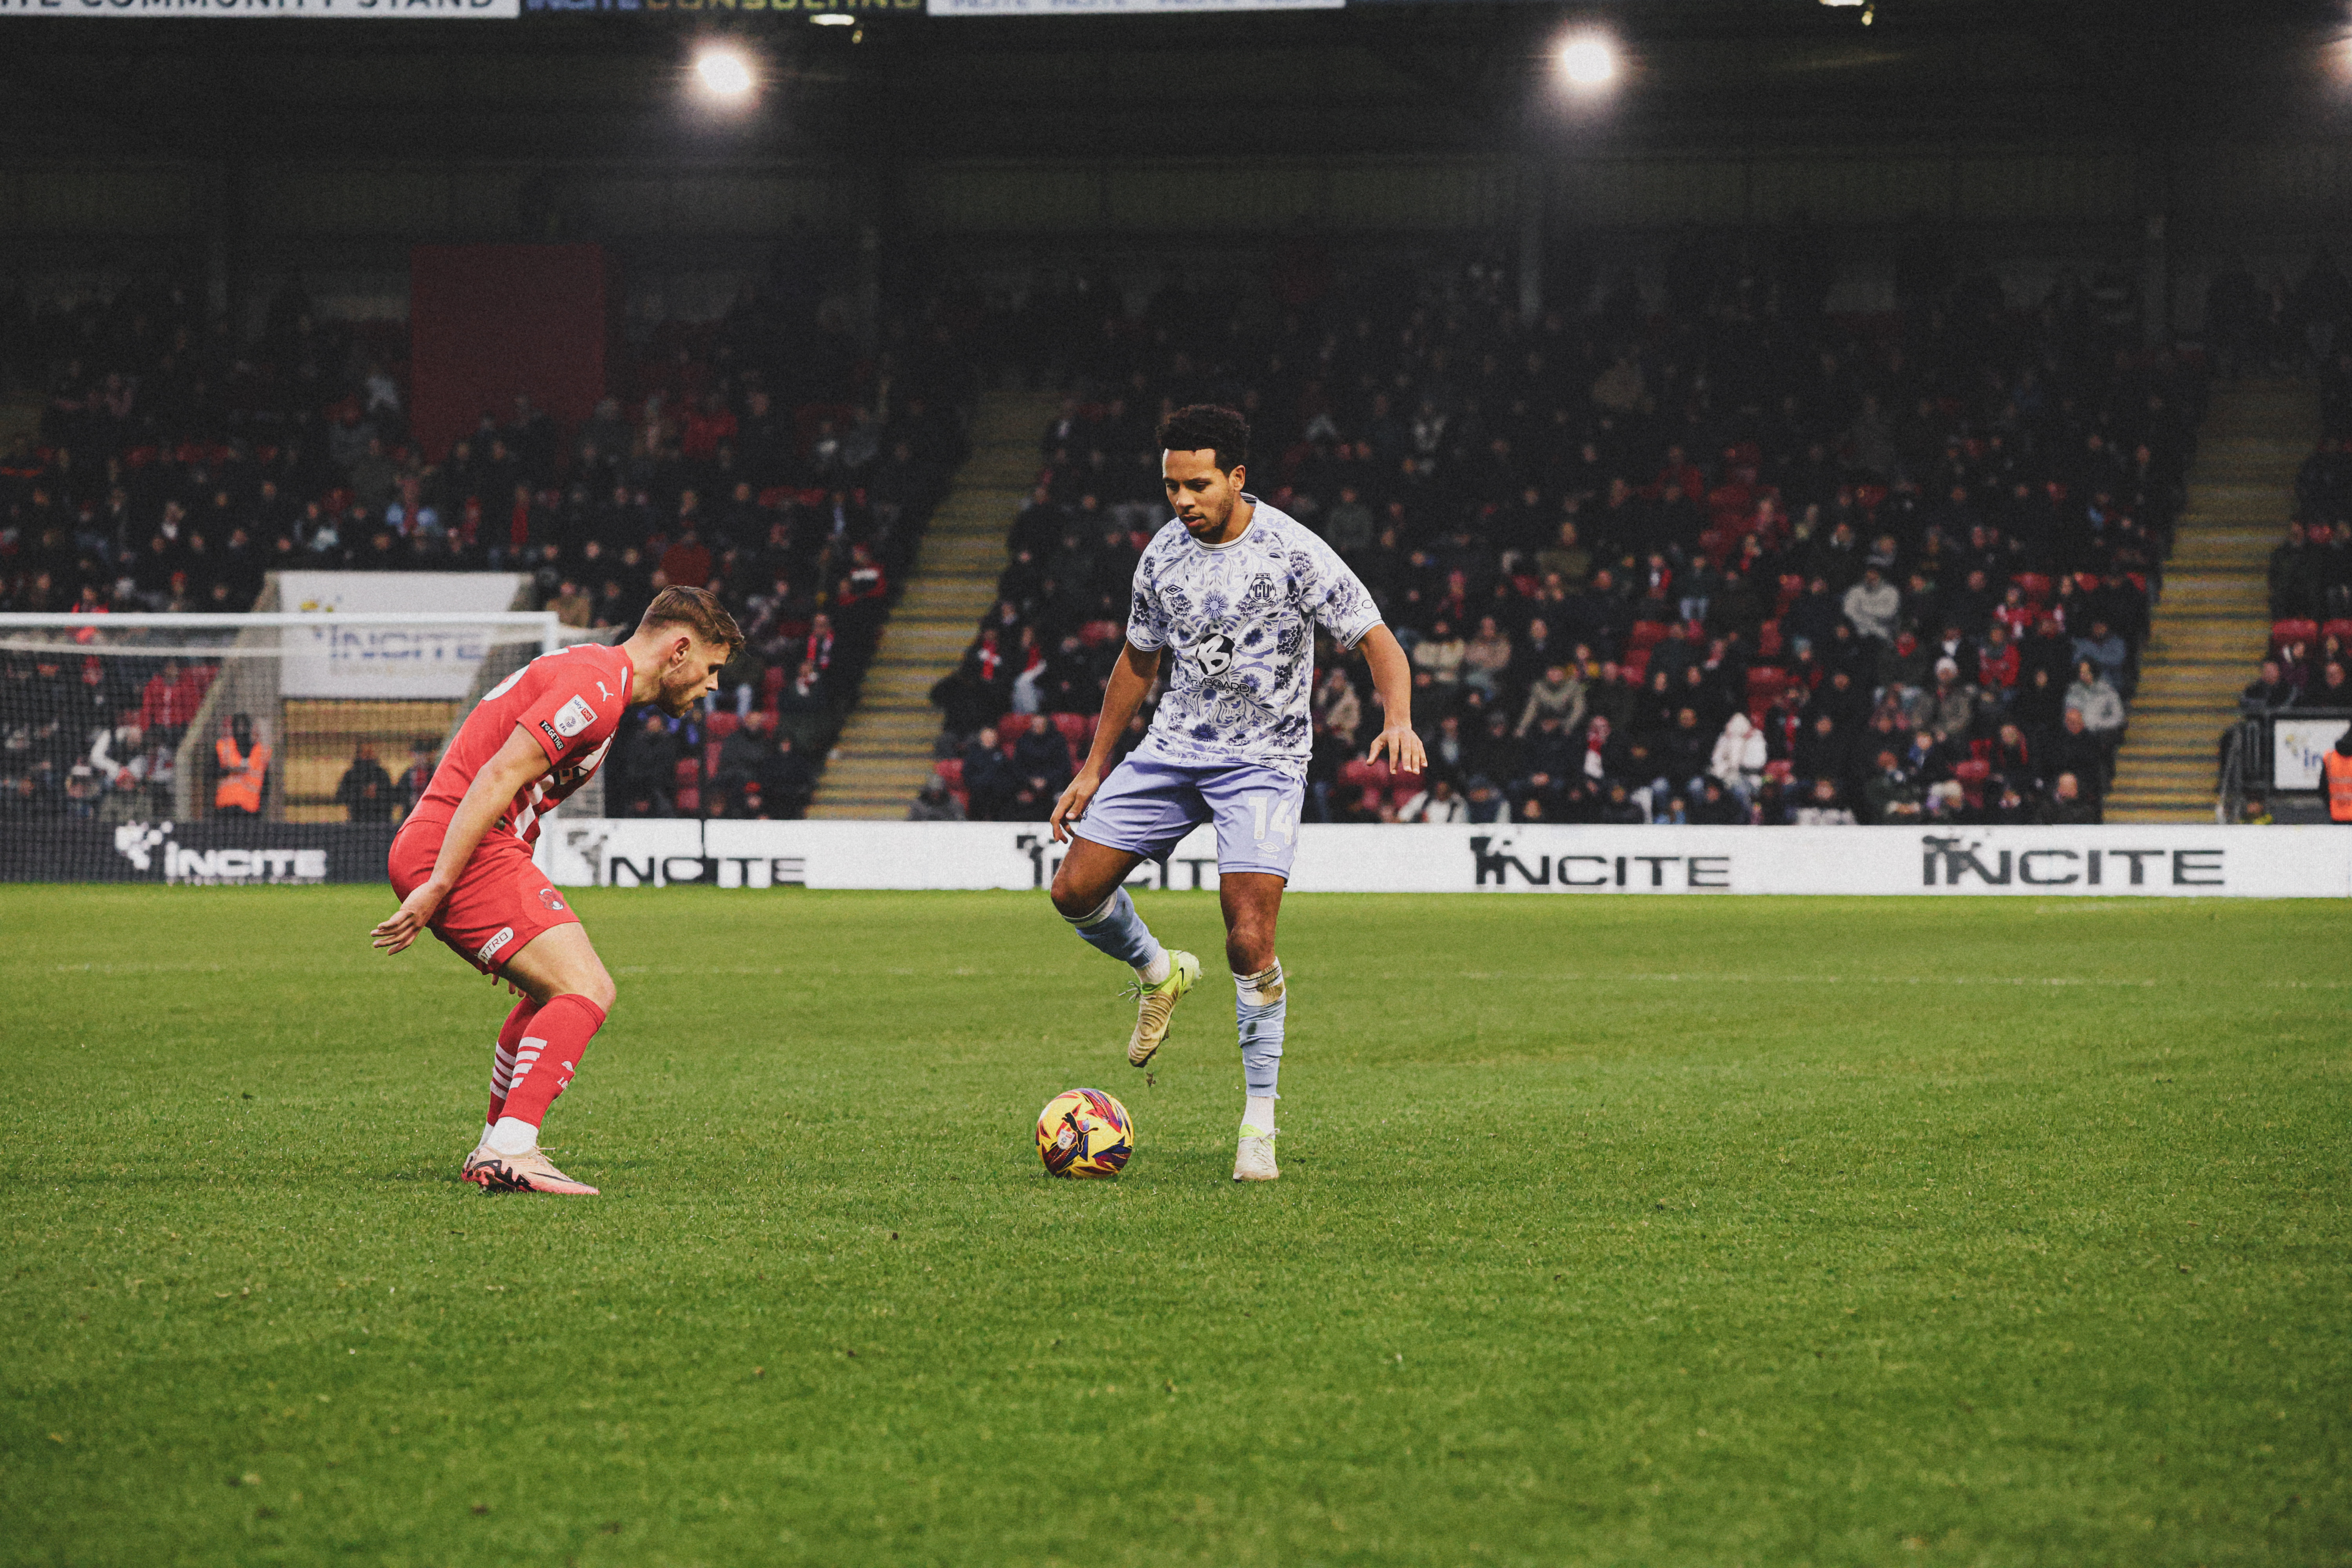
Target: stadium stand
(765,454)
(1732,562)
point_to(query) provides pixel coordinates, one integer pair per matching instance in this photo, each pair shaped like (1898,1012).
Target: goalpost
(263,747)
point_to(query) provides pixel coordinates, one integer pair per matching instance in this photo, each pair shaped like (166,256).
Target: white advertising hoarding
(2296,746)
(2171,862)
(1114,7)
(363,660)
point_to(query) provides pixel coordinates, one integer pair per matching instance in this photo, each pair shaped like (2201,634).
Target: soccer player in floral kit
(462,860)
(1233,589)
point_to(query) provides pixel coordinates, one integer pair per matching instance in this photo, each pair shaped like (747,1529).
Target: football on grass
(1084,1133)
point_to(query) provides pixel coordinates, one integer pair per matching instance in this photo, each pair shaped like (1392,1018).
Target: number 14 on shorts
(1273,813)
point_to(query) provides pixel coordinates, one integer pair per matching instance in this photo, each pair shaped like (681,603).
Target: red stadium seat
(2294,630)
(1644,636)
(721,724)
(688,771)
(1077,729)
(1765,681)
(952,770)
(1099,634)
(1400,795)
(1011,727)
(710,759)
(1636,660)
(1357,773)
(1972,774)
(2340,630)
(2036,585)
(1767,639)
(688,799)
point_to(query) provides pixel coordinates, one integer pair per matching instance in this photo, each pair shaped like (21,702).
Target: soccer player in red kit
(462,861)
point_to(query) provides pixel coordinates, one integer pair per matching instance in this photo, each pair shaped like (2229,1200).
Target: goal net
(252,748)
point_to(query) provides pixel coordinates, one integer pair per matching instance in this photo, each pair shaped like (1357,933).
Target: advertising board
(2169,860)
(376,661)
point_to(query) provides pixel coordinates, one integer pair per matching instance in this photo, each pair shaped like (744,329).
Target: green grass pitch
(1611,1231)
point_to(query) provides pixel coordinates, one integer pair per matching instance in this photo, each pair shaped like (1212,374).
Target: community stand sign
(2170,861)
(439,10)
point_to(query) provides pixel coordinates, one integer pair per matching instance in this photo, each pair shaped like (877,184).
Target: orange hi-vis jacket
(241,776)
(2338,769)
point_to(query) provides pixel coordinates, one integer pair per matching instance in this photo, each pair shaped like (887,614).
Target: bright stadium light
(724,74)
(833,19)
(1588,62)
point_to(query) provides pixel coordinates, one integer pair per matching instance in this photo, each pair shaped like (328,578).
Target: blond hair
(699,611)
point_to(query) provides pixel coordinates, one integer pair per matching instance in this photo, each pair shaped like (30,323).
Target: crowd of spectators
(764,455)
(1737,562)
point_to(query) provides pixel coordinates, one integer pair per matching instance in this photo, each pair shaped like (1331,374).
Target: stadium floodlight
(1588,62)
(833,19)
(724,74)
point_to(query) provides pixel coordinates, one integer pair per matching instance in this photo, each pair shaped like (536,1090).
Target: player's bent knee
(1074,899)
(598,988)
(1067,902)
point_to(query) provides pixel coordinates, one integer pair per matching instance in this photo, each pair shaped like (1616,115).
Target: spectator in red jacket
(168,703)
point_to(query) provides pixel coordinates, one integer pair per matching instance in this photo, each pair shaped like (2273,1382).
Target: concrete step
(2211,624)
(885,752)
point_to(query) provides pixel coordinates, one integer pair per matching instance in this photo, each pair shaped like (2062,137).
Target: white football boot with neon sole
(1156,1003)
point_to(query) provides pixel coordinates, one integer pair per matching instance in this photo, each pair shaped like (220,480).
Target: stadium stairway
(2214,624)
(884,751)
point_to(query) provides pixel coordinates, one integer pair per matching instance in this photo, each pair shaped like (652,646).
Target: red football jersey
(570,702)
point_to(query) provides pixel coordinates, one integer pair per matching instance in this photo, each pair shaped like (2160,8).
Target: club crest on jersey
(1215,654)
(574,716)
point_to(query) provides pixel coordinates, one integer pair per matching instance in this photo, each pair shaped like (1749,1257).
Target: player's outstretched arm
(1130,682)
(506,775)
(1392,676)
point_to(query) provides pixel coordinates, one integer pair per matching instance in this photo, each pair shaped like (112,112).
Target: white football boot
(1253,1161)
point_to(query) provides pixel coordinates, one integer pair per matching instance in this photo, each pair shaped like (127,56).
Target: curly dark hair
(1208,426)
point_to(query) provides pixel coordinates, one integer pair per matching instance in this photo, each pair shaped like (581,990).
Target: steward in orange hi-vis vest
(2338,766)
(244,767)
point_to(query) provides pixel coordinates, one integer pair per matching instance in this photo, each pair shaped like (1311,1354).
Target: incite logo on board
(1498,861)
(148,846)
(1965,860)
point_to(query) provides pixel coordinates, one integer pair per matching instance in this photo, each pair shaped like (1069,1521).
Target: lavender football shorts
(1145,808)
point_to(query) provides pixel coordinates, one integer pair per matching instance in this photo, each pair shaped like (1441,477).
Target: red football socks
(502,1065)
(549,1054)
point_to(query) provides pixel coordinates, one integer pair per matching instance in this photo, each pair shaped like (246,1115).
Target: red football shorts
(500,903)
